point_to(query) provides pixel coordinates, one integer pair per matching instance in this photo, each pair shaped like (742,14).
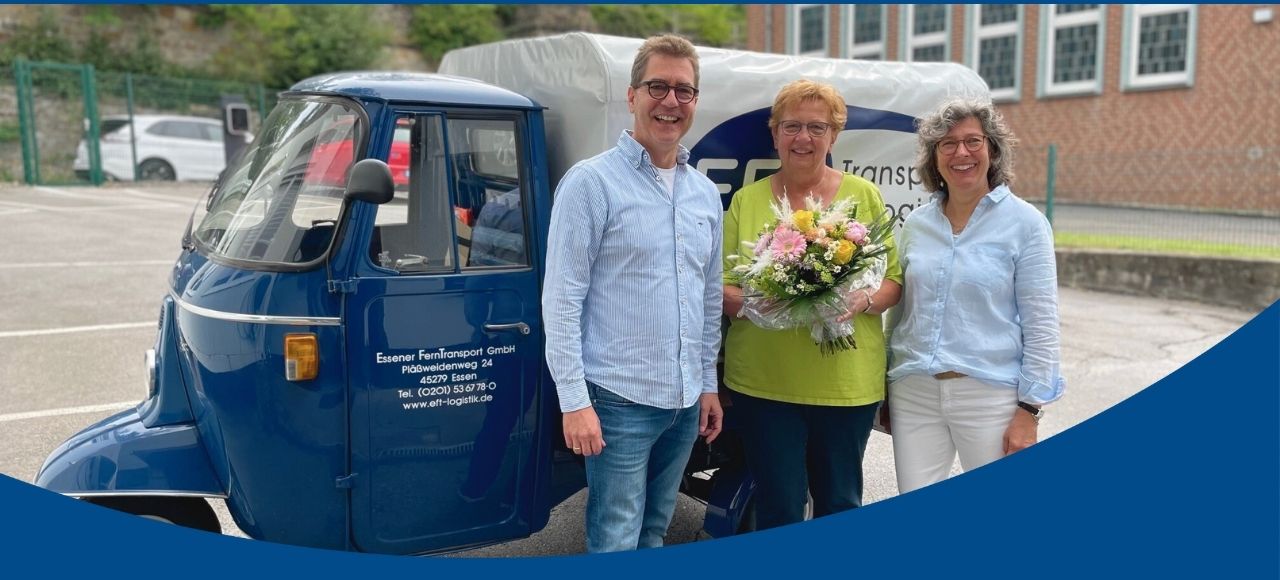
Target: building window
(926,36)
(866,32)
(1159,46)
(1073,49)
(808,29)
(995,47)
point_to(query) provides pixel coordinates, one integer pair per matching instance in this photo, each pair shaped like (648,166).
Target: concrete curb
(1239,283)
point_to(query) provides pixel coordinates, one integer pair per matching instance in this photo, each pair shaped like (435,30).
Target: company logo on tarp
(740,151)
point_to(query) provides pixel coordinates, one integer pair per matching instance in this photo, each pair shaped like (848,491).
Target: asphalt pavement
(82,272)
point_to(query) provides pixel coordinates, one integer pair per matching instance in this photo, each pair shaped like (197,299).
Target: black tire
(156,170)
(190,512)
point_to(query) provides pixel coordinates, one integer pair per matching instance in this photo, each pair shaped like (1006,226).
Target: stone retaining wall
(1239,283)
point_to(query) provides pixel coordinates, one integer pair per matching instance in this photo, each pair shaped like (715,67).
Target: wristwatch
(1036,412)
(870,302)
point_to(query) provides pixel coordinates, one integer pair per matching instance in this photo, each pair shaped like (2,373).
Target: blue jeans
(632,484)
(795,450)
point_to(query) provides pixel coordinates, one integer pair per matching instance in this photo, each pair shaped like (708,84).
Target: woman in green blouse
(805,417)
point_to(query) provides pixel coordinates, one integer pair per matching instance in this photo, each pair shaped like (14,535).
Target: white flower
(831,219)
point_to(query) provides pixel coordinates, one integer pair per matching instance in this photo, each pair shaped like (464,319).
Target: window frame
(909,41)
(446,116)
(523,177)
(1050,23)
(795,22)
(342,219)
(854,50)
(976,32)
(1130,80)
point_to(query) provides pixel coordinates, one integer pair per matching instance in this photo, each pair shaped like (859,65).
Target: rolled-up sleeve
(577,222)
(1036,293)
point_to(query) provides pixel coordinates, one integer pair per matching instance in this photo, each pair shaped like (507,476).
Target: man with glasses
(632,303)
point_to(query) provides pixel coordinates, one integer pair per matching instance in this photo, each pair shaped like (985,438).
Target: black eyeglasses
(793,128)
(950,146)
(685,94)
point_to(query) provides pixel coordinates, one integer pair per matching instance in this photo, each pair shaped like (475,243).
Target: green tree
(313,39)
(439,28)
(633,20)
(706,24)
(40,39)
(281,44)
(712,24)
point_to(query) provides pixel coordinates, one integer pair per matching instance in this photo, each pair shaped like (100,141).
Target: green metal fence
(63,109)
(1213,202)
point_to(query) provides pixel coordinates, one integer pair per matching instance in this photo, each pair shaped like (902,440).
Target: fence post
(26,121)
(1049,182)
(133,138)
(262,106)
(95,132)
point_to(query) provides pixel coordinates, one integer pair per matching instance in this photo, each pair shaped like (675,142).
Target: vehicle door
(188,147)
(445,344)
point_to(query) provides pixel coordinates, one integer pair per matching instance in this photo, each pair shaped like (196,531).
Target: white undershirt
(668,178)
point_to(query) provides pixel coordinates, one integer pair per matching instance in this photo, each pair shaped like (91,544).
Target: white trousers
(932,420)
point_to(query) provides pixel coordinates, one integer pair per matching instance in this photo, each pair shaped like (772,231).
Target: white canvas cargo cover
(582,79)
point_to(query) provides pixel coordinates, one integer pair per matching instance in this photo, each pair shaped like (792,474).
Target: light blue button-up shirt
(632,296)
(983,302)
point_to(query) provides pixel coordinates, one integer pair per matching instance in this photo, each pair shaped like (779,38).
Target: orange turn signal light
(301,357)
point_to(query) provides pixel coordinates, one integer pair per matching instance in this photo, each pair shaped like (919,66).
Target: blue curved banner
(1182,479)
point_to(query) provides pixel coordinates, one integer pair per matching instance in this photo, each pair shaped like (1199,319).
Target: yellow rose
(844,252)
(803,220)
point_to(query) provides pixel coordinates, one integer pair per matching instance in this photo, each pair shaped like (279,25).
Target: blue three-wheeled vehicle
(350,350)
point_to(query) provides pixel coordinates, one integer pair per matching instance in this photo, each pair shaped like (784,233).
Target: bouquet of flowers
(803,267)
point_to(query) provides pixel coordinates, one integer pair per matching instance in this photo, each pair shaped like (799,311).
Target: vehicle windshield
(279,202)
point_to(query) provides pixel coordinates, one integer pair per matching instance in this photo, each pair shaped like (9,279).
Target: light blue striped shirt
(984,302)
(632,296)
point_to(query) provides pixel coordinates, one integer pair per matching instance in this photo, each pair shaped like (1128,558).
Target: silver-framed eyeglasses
(815,129)
(658,90)
(972,144)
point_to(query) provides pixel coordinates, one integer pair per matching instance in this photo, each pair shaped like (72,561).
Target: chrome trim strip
(256,318)
(146,493)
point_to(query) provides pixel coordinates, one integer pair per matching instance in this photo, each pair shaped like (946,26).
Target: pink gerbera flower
(787,244)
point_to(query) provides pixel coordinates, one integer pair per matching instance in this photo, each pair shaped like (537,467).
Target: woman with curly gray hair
(974,354)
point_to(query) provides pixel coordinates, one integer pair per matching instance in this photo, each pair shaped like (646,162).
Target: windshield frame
(360,151)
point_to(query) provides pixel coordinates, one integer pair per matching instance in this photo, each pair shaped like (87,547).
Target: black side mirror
(370,180)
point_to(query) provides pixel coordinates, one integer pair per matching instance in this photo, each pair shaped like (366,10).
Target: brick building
(1152,105)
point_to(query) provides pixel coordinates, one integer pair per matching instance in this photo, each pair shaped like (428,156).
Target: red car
(331,157)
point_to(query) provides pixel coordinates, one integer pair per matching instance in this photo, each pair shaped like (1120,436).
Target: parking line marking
(86,264)
(171,198)
(65,193)
(74,329)
(66,411)
(38,207)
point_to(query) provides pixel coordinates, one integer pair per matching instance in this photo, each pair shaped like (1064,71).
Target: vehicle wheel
(156,170)
(190,512)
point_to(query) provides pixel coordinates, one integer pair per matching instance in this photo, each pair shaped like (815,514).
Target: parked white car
(168,147)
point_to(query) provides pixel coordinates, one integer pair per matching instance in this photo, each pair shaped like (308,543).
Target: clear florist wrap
(582,79)
(801,269)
